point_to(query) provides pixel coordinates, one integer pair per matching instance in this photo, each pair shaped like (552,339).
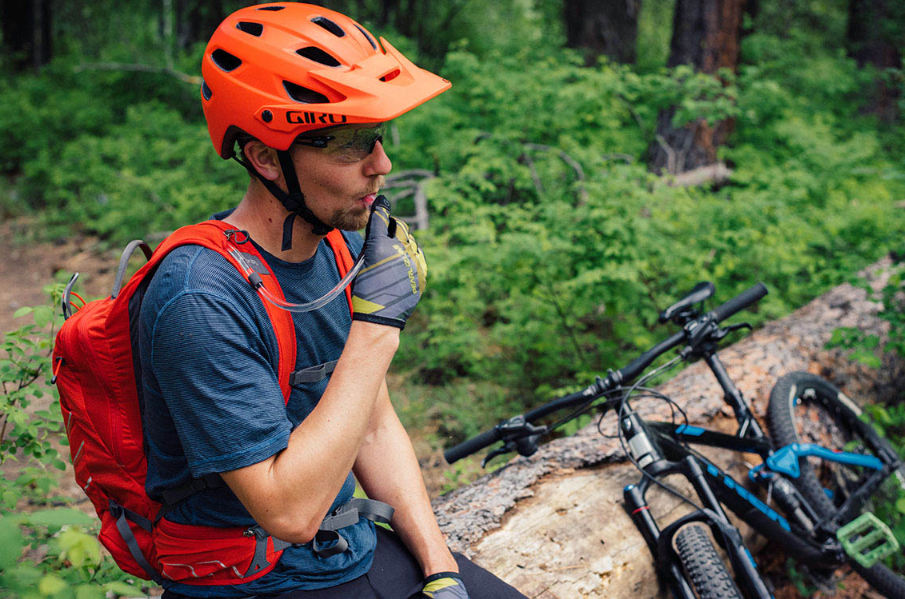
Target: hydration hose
(255,279)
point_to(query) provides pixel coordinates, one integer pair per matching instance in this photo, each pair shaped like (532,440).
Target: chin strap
(294,201)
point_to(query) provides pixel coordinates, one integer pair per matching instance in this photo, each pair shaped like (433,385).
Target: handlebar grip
(473,445)
(740,302)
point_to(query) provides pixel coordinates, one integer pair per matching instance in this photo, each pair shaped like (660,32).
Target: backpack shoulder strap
(343,257)
(221,237)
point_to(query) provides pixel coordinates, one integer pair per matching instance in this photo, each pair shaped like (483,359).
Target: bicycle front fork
(644,450)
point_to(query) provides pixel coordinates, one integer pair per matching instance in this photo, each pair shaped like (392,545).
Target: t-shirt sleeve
(220,386)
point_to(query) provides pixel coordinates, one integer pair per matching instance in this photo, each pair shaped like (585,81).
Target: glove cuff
(391,322)
(439,575)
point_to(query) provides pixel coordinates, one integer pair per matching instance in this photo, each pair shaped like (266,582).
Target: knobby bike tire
(703,566)
(833,409)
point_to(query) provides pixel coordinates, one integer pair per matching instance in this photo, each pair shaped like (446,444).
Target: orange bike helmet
(277,70)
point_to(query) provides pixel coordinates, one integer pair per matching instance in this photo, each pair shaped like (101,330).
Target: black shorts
(395,574)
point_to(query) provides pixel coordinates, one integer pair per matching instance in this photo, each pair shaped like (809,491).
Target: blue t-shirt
(212,402)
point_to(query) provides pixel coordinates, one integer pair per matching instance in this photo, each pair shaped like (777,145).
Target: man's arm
(289,493)
(388,471)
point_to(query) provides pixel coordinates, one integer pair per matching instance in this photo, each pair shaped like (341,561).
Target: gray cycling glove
(391,282)
(444,585)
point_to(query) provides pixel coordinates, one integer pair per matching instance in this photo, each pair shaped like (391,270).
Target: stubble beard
(350,219)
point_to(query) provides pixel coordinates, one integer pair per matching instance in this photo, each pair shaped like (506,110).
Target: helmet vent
(205,90)
(304,95)
(365,33)
(318,55)
(390,76)
(225,60)
(329,26)
(255,29)
(272,8)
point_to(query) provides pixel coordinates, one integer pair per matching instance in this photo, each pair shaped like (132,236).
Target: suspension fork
(645,450)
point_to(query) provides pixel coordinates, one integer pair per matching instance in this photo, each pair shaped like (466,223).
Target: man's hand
(391,282)
(444,585)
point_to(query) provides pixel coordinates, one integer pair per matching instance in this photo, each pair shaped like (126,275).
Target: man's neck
(263,216)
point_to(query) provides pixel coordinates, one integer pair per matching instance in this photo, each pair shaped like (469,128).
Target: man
(304,92)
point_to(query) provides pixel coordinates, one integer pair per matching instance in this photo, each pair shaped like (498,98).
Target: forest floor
(31,265)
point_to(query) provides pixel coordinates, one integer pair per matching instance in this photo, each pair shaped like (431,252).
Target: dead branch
(401,178)
(670,155)
(141,68)
(718,173)
(576,166)
(412,182)
(627,158)
(421,215)
(538,184)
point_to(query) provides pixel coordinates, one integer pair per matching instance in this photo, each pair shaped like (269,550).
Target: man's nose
(378,163)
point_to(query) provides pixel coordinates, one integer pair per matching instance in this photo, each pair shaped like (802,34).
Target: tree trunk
(874,27)
(705,35)
(608,27)
(196,21)
(27,32)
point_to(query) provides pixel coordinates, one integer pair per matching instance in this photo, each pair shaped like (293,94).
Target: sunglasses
(347,144)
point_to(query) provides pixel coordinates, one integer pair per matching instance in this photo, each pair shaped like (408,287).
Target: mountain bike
(824,469)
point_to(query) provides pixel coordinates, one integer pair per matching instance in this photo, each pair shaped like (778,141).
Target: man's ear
(264,159)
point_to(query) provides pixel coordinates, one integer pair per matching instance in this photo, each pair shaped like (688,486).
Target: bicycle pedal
(867,539)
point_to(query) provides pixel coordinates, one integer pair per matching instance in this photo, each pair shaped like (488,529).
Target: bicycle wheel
(703,565)
(805,408)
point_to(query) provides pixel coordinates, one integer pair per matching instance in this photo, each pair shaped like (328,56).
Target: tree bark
(603,27)
(706,35)
(27,32)
(874,28)
(196,21)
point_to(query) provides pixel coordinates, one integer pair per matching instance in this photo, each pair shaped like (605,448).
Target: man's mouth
(368,199)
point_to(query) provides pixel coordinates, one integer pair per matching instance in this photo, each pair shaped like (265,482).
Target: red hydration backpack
(94,362)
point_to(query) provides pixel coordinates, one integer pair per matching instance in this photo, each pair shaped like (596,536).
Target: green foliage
(152,173)
(50,552)
(551,247)
(538,276)
(27,433)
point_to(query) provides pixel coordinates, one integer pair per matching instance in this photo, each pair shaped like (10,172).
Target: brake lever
(721,333)
(518,435)
(509,446)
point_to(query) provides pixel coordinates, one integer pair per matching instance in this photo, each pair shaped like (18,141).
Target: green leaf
(900,505)
(10,543)
(9,499)
(87,591)
(43,316)
(80,547)
(22,311)
(123,589)
(51,584)
(58,517)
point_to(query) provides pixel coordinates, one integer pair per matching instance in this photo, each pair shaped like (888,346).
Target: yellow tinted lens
(354,144)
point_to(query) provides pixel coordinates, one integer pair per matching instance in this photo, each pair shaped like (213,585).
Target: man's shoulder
(193,270)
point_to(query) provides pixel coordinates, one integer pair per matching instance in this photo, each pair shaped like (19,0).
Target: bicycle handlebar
(739,302)
(473,445)
(613,379)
